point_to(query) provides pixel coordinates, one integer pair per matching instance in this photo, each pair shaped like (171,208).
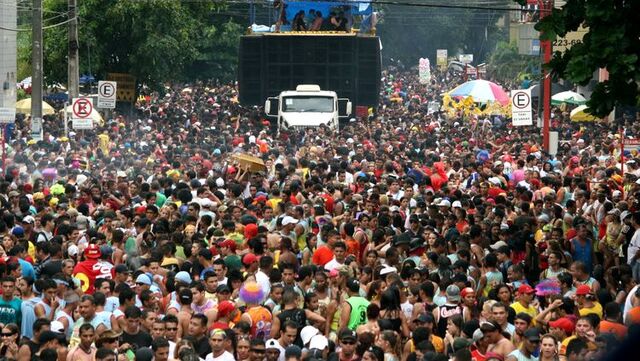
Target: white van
(307,107)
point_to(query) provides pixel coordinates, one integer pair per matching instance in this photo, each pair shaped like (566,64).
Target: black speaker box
(346,64)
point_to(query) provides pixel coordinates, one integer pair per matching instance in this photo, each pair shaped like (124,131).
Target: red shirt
(477,356)
(322,255)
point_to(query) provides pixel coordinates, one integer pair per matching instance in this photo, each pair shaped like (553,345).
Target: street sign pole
(4,149)
(66,119)
(622,158)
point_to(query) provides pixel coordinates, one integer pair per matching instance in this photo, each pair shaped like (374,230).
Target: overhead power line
(44,27)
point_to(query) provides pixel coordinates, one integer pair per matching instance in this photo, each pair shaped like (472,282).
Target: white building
(8,65)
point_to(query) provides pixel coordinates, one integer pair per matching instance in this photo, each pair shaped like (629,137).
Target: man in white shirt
(262,278)
(339,255)
(633,253)
(218,353)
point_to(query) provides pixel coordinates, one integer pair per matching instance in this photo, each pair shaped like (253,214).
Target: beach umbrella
(568,97)
(87,78)
(482,91)
(580,114)
(24,107)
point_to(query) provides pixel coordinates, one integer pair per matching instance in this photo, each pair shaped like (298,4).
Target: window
(308,104)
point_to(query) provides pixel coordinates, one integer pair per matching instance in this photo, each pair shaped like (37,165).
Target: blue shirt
(27,309)
(10,311)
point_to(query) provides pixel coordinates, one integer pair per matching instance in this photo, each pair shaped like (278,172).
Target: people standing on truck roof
(298,22)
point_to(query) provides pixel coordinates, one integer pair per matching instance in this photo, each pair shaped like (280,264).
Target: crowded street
(405,234)
(438,222)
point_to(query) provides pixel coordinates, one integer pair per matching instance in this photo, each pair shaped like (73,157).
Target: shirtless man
(185,297)
(372,327)
(498,342)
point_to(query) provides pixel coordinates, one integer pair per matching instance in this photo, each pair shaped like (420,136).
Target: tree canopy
(612,42)
(154,40)
(409,33)
(506,65)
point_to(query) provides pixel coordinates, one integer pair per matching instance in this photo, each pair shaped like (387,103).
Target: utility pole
(36,76)
(545,7)
(73,68)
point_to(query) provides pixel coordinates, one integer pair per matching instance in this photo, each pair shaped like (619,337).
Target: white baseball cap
(318,342)
(307,333)
(57,326)
(444,203)
(289,220)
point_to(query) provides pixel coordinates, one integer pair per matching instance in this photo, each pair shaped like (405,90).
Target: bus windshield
(302,104)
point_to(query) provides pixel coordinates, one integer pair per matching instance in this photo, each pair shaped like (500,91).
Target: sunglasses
(257,350)
(172,329)
(7,334)
(140,283)
(348,342)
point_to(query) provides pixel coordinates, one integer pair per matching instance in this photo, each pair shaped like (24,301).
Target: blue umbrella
(87,78)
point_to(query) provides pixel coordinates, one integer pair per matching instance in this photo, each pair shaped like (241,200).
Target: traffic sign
(521,107)
(441,56)
(466,58)
(632,144)
(7,115)
(81,110)
(36,129)
(107,94)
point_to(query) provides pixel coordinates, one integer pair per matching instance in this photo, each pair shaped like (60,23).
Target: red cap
(525,288)
(92,251)
(249,258)
(583,290)
(229,243)
(250,230)
(225,308)
(564,324)
(260,199)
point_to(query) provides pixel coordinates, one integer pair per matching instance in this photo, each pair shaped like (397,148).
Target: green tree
(154,40)
(613,42)
(506,65)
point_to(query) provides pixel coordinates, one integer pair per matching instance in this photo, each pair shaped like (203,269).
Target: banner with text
(424,71)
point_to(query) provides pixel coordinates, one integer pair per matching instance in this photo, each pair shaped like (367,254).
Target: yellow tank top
(336,320)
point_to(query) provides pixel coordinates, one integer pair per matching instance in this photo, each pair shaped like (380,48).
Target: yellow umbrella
(95,116)
(580,114)
(24,107)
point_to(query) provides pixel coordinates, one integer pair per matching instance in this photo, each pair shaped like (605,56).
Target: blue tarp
(326,7)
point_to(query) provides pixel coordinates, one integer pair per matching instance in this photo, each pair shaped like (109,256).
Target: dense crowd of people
(407,235)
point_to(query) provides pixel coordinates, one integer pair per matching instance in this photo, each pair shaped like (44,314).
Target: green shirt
(358,314)
(160,199)
(130,245)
